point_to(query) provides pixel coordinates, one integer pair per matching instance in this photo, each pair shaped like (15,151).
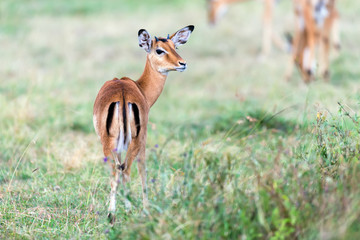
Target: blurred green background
(234,151)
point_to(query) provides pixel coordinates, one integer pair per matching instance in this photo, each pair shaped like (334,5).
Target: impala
(216,8)
(316,28)
(121,108)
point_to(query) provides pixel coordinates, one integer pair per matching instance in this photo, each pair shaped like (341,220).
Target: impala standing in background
(316,29)
(121,108)
(217,7)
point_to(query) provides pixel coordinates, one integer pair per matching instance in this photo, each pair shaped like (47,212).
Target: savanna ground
(233,151)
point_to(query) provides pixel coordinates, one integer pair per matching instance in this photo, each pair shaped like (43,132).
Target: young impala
(316,28)
(121,108)
(217,7)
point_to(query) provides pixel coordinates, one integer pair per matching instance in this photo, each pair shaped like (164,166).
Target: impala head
(216,8)
(162,51)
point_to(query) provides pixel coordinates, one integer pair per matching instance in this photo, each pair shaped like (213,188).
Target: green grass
(233,150)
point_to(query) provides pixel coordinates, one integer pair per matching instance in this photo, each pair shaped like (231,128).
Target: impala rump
(120,118)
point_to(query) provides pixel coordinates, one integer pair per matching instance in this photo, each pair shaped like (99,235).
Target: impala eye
(159,51)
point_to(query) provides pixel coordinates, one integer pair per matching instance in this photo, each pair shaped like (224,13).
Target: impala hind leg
(114,182)
(131,154)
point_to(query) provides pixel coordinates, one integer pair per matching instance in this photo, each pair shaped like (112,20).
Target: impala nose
(182,67)
(183,64)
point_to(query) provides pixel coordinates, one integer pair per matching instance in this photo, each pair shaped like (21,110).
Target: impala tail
(118,125)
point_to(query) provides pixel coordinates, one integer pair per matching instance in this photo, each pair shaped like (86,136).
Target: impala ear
(144,40)
(181,36)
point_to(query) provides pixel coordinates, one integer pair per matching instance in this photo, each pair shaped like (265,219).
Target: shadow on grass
(237,124)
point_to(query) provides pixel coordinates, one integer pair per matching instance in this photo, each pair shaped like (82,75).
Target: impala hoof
(326,76)
(111,218)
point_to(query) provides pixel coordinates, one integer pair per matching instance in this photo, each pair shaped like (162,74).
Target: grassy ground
(233,150)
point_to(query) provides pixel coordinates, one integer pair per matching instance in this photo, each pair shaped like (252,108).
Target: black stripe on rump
(136,117)
(110,117)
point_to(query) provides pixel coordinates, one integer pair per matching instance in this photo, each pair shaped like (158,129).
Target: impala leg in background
(325,50)
(267,27)
(309,50)
(293,43)
(335,33)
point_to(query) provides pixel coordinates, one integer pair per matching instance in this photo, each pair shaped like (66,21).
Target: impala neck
(151,83)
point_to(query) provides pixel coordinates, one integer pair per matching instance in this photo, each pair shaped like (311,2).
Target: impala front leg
(142,173)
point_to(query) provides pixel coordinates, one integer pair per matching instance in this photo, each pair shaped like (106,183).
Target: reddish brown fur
(115,91)
(312,37)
